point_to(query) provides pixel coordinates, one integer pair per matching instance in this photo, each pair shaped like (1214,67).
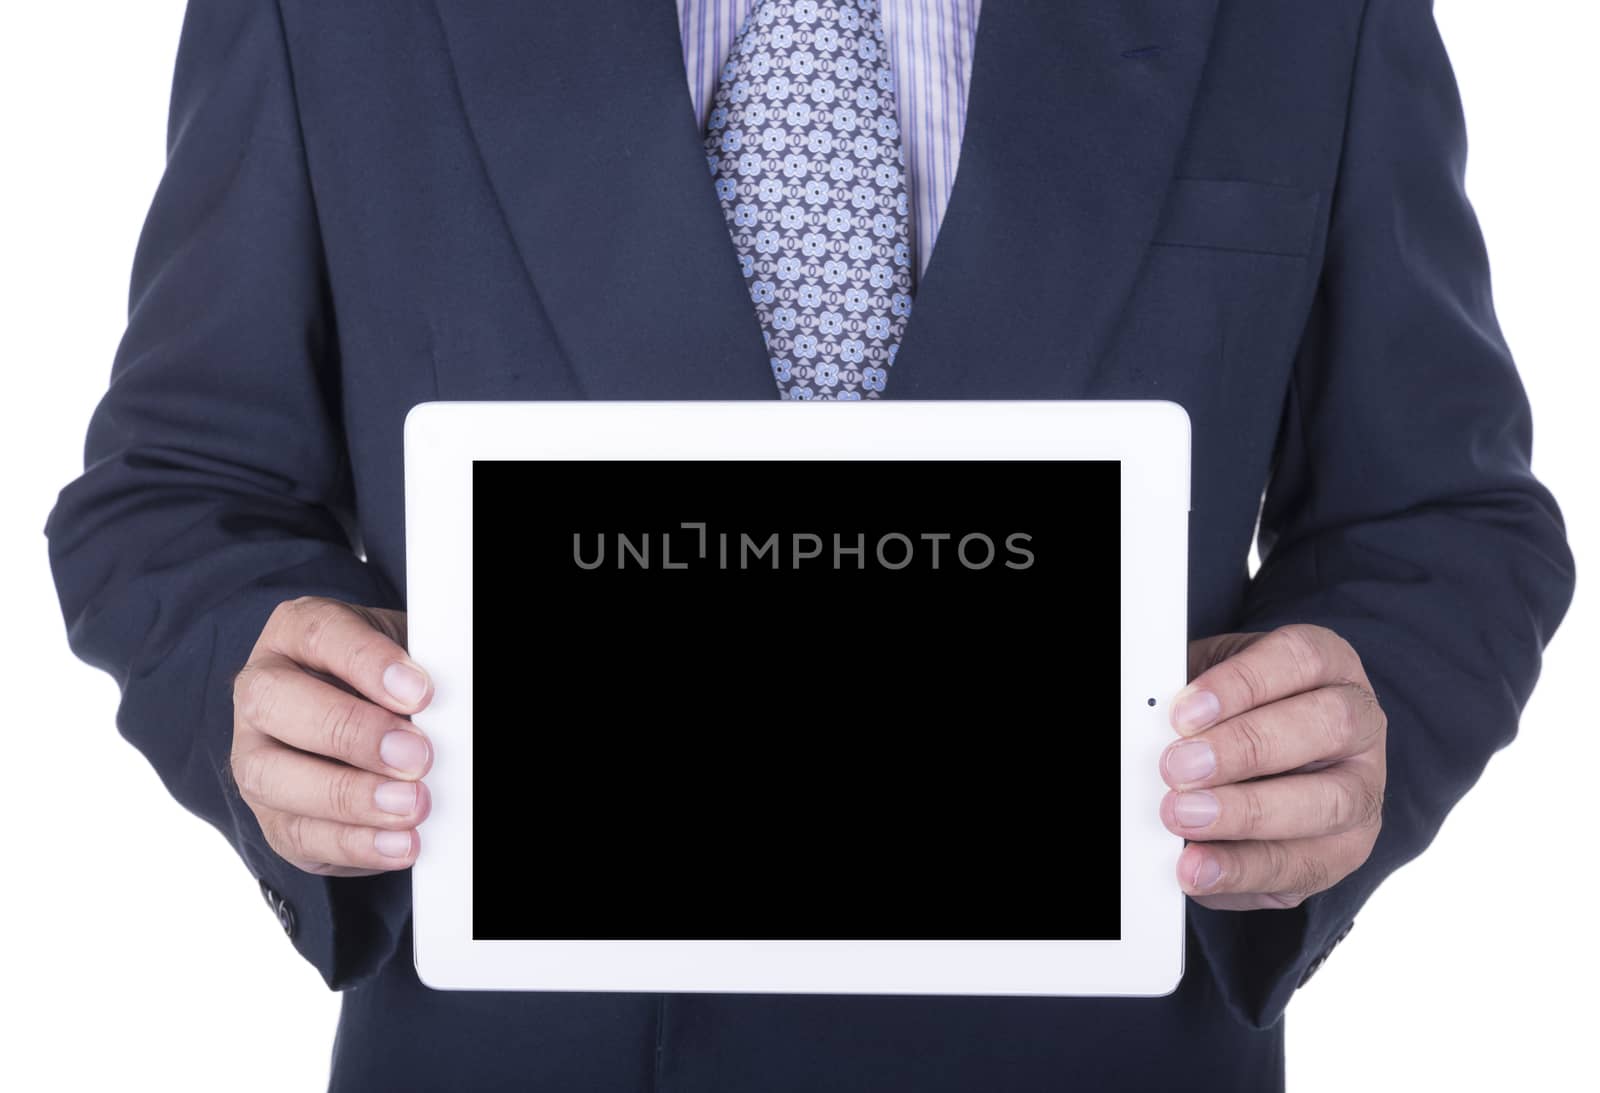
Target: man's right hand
(322,750)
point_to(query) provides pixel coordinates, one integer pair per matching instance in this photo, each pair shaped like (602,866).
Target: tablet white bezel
(1151,441)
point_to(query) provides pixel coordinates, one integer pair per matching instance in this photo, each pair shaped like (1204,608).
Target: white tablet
(781,697)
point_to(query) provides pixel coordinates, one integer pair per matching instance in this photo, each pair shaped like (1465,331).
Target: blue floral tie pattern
(804,146)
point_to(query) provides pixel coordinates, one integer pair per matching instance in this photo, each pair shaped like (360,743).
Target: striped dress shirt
(930,50)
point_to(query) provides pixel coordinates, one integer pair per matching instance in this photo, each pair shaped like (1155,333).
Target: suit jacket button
(280,908)
(1311,969)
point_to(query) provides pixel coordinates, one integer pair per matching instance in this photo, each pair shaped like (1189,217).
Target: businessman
(1255,210)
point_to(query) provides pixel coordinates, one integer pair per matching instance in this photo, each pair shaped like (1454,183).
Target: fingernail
(405,684)
(392,844)
(1198,809)
(1206,874)
(404,750)
(1190,761)
(396,797)
(1194,710)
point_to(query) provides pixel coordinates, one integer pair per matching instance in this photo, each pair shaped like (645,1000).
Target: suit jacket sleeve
(1402,512)
(216,483)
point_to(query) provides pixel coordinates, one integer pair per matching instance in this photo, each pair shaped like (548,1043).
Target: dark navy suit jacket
(1255,210)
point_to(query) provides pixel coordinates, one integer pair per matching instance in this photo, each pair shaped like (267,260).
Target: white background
(136,949)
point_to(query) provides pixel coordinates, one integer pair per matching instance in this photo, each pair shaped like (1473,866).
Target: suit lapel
(1076,115)
(581,111)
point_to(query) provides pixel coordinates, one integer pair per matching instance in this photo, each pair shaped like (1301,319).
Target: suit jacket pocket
(1234,215)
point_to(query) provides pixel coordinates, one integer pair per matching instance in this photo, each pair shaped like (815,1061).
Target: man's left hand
(1278,780)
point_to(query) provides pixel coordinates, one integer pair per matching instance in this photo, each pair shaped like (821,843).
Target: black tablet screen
(796,700)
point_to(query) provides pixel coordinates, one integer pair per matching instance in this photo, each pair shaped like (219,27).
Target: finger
(324,843)
(1204,652)
(1289,870)
(275,697)
(1325,725)
(282,779)
(1284,662)
(1296,806)
(357,645)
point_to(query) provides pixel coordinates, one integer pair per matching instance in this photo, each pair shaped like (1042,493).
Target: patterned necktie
(804,144)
